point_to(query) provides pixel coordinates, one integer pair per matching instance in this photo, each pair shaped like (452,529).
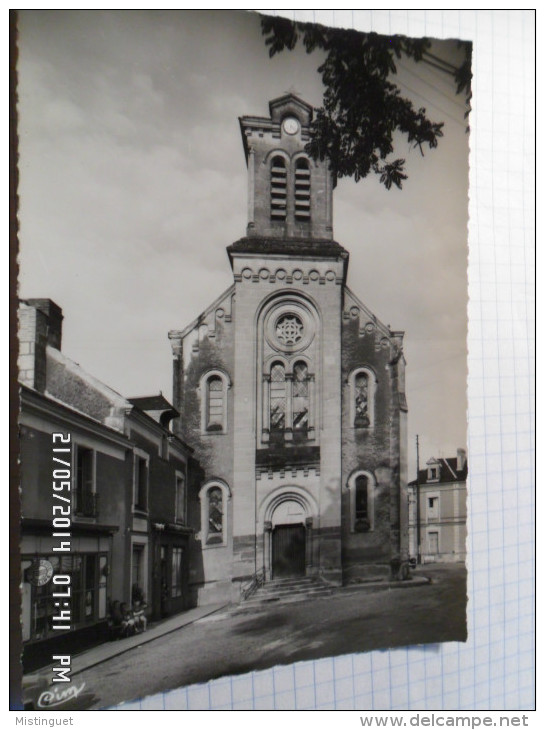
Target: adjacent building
(112,475)
(438,511)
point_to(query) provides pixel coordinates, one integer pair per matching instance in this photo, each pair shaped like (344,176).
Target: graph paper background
(495,668)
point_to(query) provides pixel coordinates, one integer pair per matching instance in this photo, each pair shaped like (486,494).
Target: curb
(144,640)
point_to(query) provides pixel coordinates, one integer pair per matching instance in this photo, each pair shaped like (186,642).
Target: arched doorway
(288,516)
(288,555)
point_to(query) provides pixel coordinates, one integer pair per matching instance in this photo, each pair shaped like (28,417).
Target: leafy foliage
(362,108)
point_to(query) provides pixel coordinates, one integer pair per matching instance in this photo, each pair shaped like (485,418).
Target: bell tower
(289,195)
(289,276)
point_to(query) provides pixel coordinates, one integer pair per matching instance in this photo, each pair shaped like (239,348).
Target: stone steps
(284,583)
(286,590)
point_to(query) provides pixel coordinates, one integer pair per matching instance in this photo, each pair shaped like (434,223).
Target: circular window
(289,329)
(289,326)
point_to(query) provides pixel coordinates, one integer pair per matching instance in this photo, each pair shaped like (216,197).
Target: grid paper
(495,668)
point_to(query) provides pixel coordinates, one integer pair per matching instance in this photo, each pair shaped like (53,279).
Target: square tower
(289,194)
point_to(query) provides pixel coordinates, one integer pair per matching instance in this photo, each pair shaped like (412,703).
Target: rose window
(289,329)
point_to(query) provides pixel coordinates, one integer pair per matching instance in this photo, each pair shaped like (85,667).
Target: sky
(133,182)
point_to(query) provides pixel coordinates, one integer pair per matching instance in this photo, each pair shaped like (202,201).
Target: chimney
(40,324)
(53,314)
(460,459)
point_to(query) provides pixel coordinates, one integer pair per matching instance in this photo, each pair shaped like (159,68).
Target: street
(345,623)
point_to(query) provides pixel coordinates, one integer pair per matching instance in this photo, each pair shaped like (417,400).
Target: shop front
(64,595)
(171,569)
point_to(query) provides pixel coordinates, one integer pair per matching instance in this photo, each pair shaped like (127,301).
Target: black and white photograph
(242,358)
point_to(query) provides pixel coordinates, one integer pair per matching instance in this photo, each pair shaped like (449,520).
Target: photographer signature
(55,696)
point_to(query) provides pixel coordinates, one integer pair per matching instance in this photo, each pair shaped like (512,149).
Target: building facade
(109,474)
(291,392)
(438,511)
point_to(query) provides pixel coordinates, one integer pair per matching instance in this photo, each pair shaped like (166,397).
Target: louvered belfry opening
(279,188)
(302,190)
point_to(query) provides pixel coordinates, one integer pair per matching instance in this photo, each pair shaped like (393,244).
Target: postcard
(242,347)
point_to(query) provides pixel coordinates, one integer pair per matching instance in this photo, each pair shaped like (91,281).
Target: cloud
(133,182)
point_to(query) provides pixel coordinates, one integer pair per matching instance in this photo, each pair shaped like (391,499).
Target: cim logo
(54,696)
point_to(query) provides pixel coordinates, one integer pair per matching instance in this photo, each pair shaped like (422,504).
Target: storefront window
(176,584)
(139,569)
(86,586)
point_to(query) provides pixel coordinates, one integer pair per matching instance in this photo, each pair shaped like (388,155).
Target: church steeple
(289,195)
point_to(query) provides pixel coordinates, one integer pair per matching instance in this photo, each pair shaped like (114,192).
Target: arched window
(278,398)
(289,346)
(215,516)
(214,405)
(361,508)
(300,399)
(361,485)
(214,497)
(302,189)
(213,391)
(362,398)
(279,188)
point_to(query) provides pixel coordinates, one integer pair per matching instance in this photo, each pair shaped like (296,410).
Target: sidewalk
(103,652)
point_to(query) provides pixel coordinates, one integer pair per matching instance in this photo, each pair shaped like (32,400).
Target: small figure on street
(128,627)
(139,606)
(115,620)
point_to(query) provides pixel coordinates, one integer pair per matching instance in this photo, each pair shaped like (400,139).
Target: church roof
(292,101)
(349,295)
(203,315)
(293,246)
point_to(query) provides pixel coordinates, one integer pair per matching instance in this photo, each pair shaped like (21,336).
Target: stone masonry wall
(318,281)
(366,343)
(211,565)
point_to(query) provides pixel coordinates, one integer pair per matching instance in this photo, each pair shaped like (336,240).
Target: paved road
(345,623)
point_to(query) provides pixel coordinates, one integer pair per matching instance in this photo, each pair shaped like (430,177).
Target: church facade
(291,393)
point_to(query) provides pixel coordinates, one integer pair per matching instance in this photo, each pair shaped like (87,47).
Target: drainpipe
(418,541)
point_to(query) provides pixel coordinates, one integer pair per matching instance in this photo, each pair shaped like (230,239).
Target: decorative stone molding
(289,327)
(287,472)
(368,324)
(205,326)
(282,275)
(287,493)
(176,343)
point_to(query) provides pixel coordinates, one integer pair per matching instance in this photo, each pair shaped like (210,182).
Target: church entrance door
(288,551)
